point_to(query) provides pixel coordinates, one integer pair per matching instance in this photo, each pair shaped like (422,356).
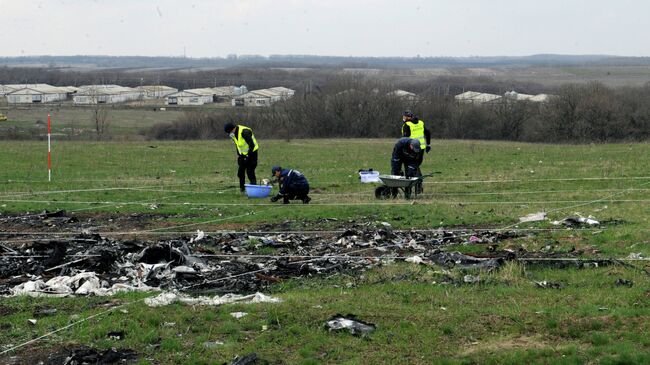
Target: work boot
(306,199)
(419,188)
(285,200)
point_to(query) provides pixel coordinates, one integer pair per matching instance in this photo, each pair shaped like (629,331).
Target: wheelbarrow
(393,184)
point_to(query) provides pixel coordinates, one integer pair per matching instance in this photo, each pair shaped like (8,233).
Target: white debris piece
(199,236)
(533,217)
(577,221)
(239,315)
(414,259)
(83,283)
(169,298)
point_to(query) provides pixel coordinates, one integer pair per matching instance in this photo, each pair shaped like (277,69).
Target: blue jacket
(292,180)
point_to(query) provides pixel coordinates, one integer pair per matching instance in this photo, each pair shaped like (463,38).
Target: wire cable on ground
(342,204)
(70,325)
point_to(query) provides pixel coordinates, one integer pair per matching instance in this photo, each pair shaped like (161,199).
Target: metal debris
(577,221)
(549,284)
(250,359)
(351,324)
(624,282)
(89,264)
(87,355)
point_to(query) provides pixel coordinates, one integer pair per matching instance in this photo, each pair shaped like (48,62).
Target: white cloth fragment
(199,236)
(169,298)
(414,259)
(83,283)
(533,217)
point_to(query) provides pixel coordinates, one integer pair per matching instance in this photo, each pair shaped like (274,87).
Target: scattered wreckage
(231,263)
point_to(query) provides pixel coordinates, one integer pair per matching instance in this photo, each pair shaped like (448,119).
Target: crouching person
(293,185)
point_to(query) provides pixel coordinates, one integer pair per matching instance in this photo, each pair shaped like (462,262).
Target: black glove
(275,198)
(428,149)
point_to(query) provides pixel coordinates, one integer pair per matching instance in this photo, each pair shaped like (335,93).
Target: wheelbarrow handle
(429,175)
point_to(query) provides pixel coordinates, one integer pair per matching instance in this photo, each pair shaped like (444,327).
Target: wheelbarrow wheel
(384,192)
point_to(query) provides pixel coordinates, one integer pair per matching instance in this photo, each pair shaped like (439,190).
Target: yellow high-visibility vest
(242,146)
(417,132)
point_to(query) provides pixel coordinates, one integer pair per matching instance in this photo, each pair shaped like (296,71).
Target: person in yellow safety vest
(414,128)
(247,147)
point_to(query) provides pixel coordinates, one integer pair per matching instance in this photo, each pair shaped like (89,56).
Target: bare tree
(100,119)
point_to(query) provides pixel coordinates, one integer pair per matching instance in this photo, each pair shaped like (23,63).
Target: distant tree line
(332,102)
(361,108)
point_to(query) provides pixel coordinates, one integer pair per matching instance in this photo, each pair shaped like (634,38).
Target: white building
(263,97)
(36,93)
(284,92)
(105,94)
(155,91)
(473,97)
(403,94)
(229,91)
(191,97)
(513,95)
(539,98)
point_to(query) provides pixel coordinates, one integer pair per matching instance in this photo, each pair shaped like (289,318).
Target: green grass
(194,182)
(503,319)
(418,321)
(76,123)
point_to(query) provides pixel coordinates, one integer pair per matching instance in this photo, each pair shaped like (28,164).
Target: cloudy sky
(216,28)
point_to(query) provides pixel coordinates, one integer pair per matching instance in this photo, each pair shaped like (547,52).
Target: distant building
(284,92)
(155,91)
(513,95)
(473,97)
(35,93)
(191,97)
(229,92)
(539,98)
(263,97)
(105,94)
(402,94)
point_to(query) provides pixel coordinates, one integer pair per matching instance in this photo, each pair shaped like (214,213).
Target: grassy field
(125,121)
(482,185)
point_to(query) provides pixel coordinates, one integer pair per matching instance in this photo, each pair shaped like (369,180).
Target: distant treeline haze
(576,114)
(334,102)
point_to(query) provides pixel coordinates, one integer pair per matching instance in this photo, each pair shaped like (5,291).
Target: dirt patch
(6,311)
(69,355)
(506,344)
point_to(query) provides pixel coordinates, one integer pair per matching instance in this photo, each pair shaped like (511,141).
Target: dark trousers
(294,194)
(411,168)
(247,165)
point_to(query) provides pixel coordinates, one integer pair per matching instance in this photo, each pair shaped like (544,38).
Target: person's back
(293,179)
(414,127)
(403,151)
(293,185)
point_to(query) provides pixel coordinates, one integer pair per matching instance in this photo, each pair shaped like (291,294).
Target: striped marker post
(49,149)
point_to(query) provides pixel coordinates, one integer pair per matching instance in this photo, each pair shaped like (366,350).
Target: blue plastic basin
(257,191)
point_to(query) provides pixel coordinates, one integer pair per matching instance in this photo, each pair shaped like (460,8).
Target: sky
(379,28)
